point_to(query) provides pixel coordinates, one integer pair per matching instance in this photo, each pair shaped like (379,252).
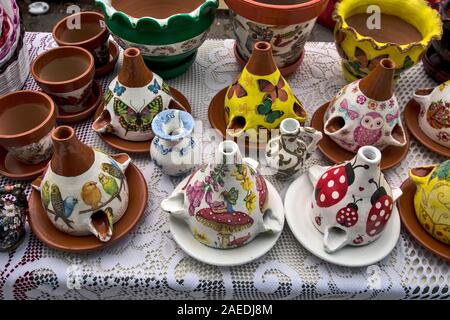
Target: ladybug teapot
(352,201)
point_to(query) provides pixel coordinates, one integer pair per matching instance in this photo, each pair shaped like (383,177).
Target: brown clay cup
(27,119)
(86,30)
(66,74)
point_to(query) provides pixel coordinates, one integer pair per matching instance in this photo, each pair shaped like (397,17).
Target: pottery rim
(185,129)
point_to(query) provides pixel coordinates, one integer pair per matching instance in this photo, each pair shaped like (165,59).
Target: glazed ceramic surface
(174,148)
(434,116)
(287,152)
(352,202)
(224,203)
(432,198)
(361,53)
(13,209)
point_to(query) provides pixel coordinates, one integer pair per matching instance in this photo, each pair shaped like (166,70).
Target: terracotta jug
(366,112)
(84,190)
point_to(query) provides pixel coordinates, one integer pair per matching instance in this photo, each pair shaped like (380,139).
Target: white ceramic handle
(315,135)
(271,222)
(175,206)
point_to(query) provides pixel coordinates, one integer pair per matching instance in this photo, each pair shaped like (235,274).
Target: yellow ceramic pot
(432,199)
(360,53)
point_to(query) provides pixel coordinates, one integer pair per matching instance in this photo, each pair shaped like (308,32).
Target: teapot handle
(420,175)
(272,222)
(315,135)
(175,205)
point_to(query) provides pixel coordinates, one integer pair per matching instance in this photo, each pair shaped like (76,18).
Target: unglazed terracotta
(26,121)
(288,152)
(286,26)
(404,37)
(260,97)
(432,198)
(352,202)
(13,210)
(434,116)
(66,74)
(366,112)
(84,191)
(174,149)
(224,202)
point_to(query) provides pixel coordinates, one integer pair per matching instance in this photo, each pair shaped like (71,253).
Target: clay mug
(66,74)
(26,121)
(86,30)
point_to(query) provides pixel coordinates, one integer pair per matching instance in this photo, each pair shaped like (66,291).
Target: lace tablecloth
(149,264)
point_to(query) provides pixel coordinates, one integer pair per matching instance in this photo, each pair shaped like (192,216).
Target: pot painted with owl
(13,210)
(352,202)
(133,99)
(84,191)
(434,116)
(366,112)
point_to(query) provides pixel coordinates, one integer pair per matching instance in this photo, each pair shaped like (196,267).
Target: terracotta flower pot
(285,24)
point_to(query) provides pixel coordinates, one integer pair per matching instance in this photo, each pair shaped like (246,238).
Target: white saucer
(229,257)
(298,197)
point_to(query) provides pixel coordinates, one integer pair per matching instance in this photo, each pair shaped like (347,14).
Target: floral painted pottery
(288,152)
(432,198)
(66,74)
(13,209)
(11,31)
(260,97)
(434,116)
(224,202)
(174,149)
(286,25)
(133,99)
(168,32)
(404,37)
(84,191)
(366,112)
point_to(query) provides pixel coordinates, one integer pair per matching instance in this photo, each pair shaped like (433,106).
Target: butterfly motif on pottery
(238,89)
(155,87)
(392,118)
(275,92)
(265,109)
(364,62)
(132,120)
(118,89)
(348,113)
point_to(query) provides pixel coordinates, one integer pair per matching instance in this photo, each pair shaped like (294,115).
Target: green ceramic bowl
(169,39)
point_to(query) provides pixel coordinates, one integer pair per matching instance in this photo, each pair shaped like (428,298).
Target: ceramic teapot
(432,199)
(225,203)
(366,112)
(288,152)
(434,116)
(352,202)
(133,99)
(84,191)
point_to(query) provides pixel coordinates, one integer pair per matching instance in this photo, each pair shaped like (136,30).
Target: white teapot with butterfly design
(133,99)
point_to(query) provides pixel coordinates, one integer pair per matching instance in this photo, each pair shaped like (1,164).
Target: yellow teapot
(432,199)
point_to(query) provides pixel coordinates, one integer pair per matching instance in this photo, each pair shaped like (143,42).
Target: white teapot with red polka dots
(352,201)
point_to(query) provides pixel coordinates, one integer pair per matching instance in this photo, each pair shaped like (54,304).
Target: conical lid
(261,61)
(134,72)
(378,85)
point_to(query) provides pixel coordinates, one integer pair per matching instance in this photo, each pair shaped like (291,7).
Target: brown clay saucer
(411,114)
(138,146)
(390,156)
(47,233)
(114,53)
(408,216)
(91,105)
(12,168)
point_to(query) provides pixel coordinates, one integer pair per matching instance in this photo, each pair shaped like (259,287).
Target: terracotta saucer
(286,71)
(411,114)
(137,146)
(91,105)
(114,53)
(391,156)
(47,233)
(408,215)
(11,168)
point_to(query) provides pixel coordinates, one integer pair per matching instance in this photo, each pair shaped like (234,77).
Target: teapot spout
(103,123)
(420,175)
(334,239)
(175,205)
(422,96)
(101,224)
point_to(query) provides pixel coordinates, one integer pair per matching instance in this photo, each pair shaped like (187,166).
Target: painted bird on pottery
(109,213)
(110,186)
(91,194)
(46,194)
(59,206)
(113,169)
(370,129)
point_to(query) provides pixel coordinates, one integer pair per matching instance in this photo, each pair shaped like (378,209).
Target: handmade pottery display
(432,198)
(352,202)
(260,97)
(366,112)
(13,209)
(84,191)
(434,116)
(224,202)
(402,35)
(288,152)
(66,74)
(174,149)
(133,99)
(168,33)
(286,25)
